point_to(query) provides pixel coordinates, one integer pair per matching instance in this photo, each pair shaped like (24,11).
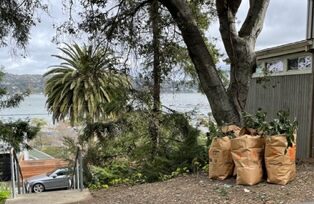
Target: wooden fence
(36,167)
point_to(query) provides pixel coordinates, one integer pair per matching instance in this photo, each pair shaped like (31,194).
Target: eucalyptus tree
(156,75)
(86,86)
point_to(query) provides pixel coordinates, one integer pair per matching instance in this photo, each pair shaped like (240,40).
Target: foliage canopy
(86,85)
(16,19)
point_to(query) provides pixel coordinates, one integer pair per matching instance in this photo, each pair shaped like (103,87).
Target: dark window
(293,64)
(60,173)
(300,63)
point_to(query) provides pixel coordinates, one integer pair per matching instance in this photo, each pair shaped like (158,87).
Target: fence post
(12,172)
(74,178)
(23,187)
(77,175)
(17,177)
(81,169)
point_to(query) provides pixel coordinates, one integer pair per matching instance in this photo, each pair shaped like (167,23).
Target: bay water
(34,106)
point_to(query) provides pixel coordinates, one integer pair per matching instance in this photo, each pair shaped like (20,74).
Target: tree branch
(112,22)
(226,14)
(234,5)
(253,23)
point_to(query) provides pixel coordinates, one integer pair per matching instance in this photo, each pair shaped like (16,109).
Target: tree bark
(240,46)
(223,109)
(226,105)
(154,126)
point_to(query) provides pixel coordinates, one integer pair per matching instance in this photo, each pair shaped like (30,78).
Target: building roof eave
(290,48)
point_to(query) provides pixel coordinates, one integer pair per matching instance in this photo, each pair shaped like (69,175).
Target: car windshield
(65,171)
(51,172)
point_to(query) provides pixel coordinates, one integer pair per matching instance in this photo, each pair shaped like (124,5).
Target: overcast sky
(285,22)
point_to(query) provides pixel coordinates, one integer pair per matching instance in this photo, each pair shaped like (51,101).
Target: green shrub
(114,174)
(4,193)
(124,156)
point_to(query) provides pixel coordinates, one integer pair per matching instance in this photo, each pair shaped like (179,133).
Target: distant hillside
(168,86)
(18,83)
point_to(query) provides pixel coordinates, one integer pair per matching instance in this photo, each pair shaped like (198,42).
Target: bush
(122,155)
(118,172)
(4,193)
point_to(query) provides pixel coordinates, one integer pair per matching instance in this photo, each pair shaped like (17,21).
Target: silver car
(56,179)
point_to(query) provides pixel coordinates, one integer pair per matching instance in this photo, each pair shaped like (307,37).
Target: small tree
(86,86)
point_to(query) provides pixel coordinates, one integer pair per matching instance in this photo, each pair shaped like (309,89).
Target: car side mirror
(54,176)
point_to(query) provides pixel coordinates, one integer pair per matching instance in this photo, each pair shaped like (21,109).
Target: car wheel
(38,188)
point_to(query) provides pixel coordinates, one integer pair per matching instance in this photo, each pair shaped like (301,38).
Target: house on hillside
(289,85)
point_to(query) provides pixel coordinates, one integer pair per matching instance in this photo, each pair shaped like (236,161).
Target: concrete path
(52,197)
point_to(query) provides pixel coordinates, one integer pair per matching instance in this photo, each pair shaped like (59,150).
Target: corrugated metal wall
(291,92)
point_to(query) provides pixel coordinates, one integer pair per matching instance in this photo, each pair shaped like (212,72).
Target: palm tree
(85,86)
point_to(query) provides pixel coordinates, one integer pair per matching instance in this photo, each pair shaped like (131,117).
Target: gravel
(200,189)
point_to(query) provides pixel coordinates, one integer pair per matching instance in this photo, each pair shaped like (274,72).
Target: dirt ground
(193,189)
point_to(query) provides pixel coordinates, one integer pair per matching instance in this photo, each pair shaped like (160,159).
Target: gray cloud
(285,22)
(36,58)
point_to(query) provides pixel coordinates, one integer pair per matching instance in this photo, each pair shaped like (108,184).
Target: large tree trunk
(154,126)
(223,109)
(243,63)
(240,47)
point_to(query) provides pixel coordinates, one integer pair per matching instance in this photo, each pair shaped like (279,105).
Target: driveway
(52,197)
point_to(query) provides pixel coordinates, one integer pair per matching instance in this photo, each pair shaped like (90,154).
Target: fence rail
(17,178)
(78,170)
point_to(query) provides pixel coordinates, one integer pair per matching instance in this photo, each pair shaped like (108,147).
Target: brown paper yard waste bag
(231,128)
(280,164)
(221,165)
(247,153)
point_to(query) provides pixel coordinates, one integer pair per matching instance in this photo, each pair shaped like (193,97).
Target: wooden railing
(17,178)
